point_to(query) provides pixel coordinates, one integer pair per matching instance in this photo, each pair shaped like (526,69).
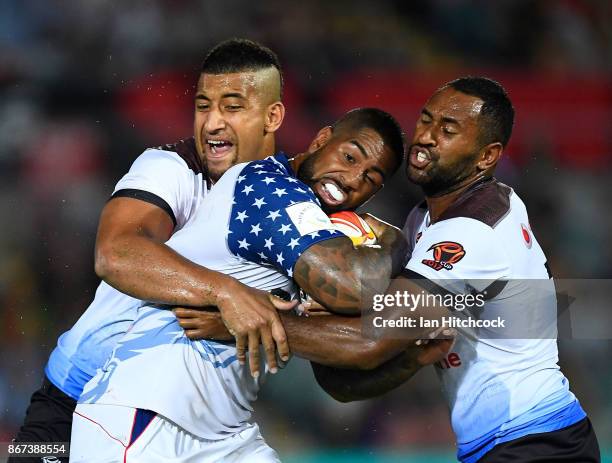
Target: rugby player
(238,109)
(509,401)
(163,397)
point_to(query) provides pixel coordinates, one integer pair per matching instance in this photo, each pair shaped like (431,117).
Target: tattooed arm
(332,272)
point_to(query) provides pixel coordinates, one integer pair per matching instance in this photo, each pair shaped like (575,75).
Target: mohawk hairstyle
(240,55)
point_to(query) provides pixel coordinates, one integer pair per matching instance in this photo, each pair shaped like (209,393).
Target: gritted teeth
(218,144)
(421,156)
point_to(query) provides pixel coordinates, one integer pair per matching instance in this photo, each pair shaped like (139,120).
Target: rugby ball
(354,227)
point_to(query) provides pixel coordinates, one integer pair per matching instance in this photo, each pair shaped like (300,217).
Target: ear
(489,156)
(274,117)
(323,136)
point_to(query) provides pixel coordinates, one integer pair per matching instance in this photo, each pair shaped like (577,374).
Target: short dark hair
(383,123)
(497,112)
(240,55)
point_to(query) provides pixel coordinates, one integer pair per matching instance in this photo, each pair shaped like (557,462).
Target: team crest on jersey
(445,254)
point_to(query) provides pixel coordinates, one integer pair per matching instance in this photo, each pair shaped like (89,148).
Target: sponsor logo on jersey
(445,255)
(308,217)
(452,360)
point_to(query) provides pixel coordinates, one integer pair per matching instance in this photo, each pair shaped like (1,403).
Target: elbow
(338,390)
(105,261)
(341,397)
(342,393)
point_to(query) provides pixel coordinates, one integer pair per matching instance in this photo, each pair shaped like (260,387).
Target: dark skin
(356,161)
(333,271)
(339,346)
(243,109)
(453,158)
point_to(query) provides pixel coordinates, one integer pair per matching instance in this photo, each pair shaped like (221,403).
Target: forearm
(341,277)
(395,244)
(337,341)
(154,272)
(351,385)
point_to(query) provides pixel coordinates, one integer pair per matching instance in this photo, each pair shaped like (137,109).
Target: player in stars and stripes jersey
(163,397)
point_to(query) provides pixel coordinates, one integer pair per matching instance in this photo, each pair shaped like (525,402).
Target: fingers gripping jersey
(497,389)
(199,385)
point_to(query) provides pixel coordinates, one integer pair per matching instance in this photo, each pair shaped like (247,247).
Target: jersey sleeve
(161,178)
(410,230)
(458,251)
(275,218)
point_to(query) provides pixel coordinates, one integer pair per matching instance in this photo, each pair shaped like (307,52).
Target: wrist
(221,290)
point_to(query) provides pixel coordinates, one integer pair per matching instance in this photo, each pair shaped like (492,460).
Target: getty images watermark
(489,309)
(422,301)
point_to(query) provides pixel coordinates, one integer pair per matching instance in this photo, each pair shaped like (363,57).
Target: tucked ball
(354,227)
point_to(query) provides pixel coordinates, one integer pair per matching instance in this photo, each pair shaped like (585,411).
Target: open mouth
(330,192)
(419,157)
(218,148)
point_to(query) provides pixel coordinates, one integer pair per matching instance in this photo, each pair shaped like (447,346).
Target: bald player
(238,109)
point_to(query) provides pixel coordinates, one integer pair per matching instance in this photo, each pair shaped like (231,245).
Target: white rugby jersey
(497,389)
(253,225)
(171,177)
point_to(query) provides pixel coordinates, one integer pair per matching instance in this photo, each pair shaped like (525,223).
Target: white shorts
(116,434)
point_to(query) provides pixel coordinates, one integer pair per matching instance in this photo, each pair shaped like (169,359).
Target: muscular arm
(332,272)
(333,340)
(337,341)
(131,256)
(380,365)
(351,385)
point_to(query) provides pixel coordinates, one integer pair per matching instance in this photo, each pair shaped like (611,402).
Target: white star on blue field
(260,230)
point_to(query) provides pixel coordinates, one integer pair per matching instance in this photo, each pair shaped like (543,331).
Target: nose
(214,121)
(352,179)
(424,136)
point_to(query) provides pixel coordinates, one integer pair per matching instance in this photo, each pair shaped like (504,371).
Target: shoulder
(273,177)
(186,151)
(276,166)
(487,203)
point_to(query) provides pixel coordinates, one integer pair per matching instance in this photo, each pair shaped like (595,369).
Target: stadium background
(86,86)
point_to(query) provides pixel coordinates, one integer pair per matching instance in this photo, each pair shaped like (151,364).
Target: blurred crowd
(87,86)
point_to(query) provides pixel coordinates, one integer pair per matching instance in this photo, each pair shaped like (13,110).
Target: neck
(438,204)
(269,146)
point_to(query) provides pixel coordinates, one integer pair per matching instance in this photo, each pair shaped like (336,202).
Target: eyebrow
(361,148)
(225,95)
(365,154)
(233,95)
(448,119)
